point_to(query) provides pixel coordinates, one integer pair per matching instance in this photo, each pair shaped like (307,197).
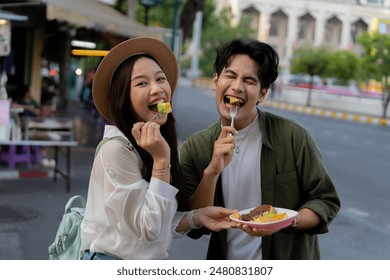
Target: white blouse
(125,215)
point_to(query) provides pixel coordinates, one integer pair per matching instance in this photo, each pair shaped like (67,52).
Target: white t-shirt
(125,215)
(241,190)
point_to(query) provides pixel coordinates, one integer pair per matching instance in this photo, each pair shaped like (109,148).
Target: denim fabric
(98,256)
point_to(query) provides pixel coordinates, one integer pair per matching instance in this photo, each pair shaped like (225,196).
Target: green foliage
(159,15)
(343,65)
(218,31)
(185,63)
(309,60)
(377,59)
(376,56)
(121,6)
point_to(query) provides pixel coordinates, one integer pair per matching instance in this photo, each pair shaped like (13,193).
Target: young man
(271,160)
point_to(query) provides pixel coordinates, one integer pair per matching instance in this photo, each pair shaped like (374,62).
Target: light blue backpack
(66,245)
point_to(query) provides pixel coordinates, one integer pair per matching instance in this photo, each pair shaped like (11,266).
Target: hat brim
(141,45)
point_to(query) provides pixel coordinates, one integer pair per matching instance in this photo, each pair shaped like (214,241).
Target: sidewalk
(335,106)
(327,113)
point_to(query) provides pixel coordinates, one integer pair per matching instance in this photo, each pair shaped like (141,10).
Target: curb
(327,113)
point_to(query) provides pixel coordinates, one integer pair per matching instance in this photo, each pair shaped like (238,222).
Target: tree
(343,65)
(160,14)
(312,61)
(377,59)
(219,31)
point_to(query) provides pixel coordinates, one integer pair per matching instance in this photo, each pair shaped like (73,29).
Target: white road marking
(358,212)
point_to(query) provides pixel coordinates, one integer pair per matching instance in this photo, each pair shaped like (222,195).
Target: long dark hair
(123,115)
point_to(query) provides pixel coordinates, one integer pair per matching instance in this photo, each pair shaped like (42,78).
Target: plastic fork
(233,114)
(156,117)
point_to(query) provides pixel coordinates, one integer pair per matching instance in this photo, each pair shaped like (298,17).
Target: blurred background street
(356,154)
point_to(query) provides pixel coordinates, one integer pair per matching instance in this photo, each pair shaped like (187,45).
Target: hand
(148,136)
(214,218)
(223,150)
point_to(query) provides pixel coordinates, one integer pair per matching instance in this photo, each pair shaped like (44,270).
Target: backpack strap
(71,200)
(119,138)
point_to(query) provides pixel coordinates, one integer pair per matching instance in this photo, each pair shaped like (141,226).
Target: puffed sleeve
(139,208)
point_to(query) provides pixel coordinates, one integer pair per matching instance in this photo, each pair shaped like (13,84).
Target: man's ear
(262,95)
(215,80)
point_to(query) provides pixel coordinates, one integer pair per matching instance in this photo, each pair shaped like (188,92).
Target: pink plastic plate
(291,216)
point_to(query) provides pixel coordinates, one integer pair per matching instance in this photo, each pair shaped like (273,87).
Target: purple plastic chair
(15,155)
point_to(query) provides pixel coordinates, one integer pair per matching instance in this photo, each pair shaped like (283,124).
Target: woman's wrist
(193,219)
(158,164)
(162,171)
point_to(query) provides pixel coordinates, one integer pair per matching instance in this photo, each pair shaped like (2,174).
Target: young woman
(131,205)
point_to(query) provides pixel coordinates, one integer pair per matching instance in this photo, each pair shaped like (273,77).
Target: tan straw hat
(141,45)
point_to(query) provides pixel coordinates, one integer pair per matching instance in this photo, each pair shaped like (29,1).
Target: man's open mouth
(233,100)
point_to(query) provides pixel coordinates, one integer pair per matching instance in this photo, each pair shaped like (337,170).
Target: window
(274,29)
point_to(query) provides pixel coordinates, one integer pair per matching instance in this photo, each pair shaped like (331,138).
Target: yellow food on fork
(233,100)
(164,108)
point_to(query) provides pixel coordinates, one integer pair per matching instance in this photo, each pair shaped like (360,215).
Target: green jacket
(293,175)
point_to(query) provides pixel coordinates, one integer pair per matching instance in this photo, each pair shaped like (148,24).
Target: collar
(112,131)
(262,116)
(264,127)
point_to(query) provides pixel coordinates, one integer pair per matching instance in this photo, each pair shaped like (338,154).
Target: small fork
(156,116)
(233,114)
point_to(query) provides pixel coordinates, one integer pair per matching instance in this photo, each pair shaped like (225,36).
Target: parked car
(303,81)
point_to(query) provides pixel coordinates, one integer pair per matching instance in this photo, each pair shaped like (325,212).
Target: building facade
(287,25)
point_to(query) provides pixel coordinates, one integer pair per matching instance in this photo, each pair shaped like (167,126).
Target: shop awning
(11,16)
(96,15)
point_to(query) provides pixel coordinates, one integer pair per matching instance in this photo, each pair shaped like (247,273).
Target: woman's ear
(215,80)
(262,95)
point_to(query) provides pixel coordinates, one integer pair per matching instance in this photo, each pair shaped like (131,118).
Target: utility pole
(175,24)
(131,9)
(196,44)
